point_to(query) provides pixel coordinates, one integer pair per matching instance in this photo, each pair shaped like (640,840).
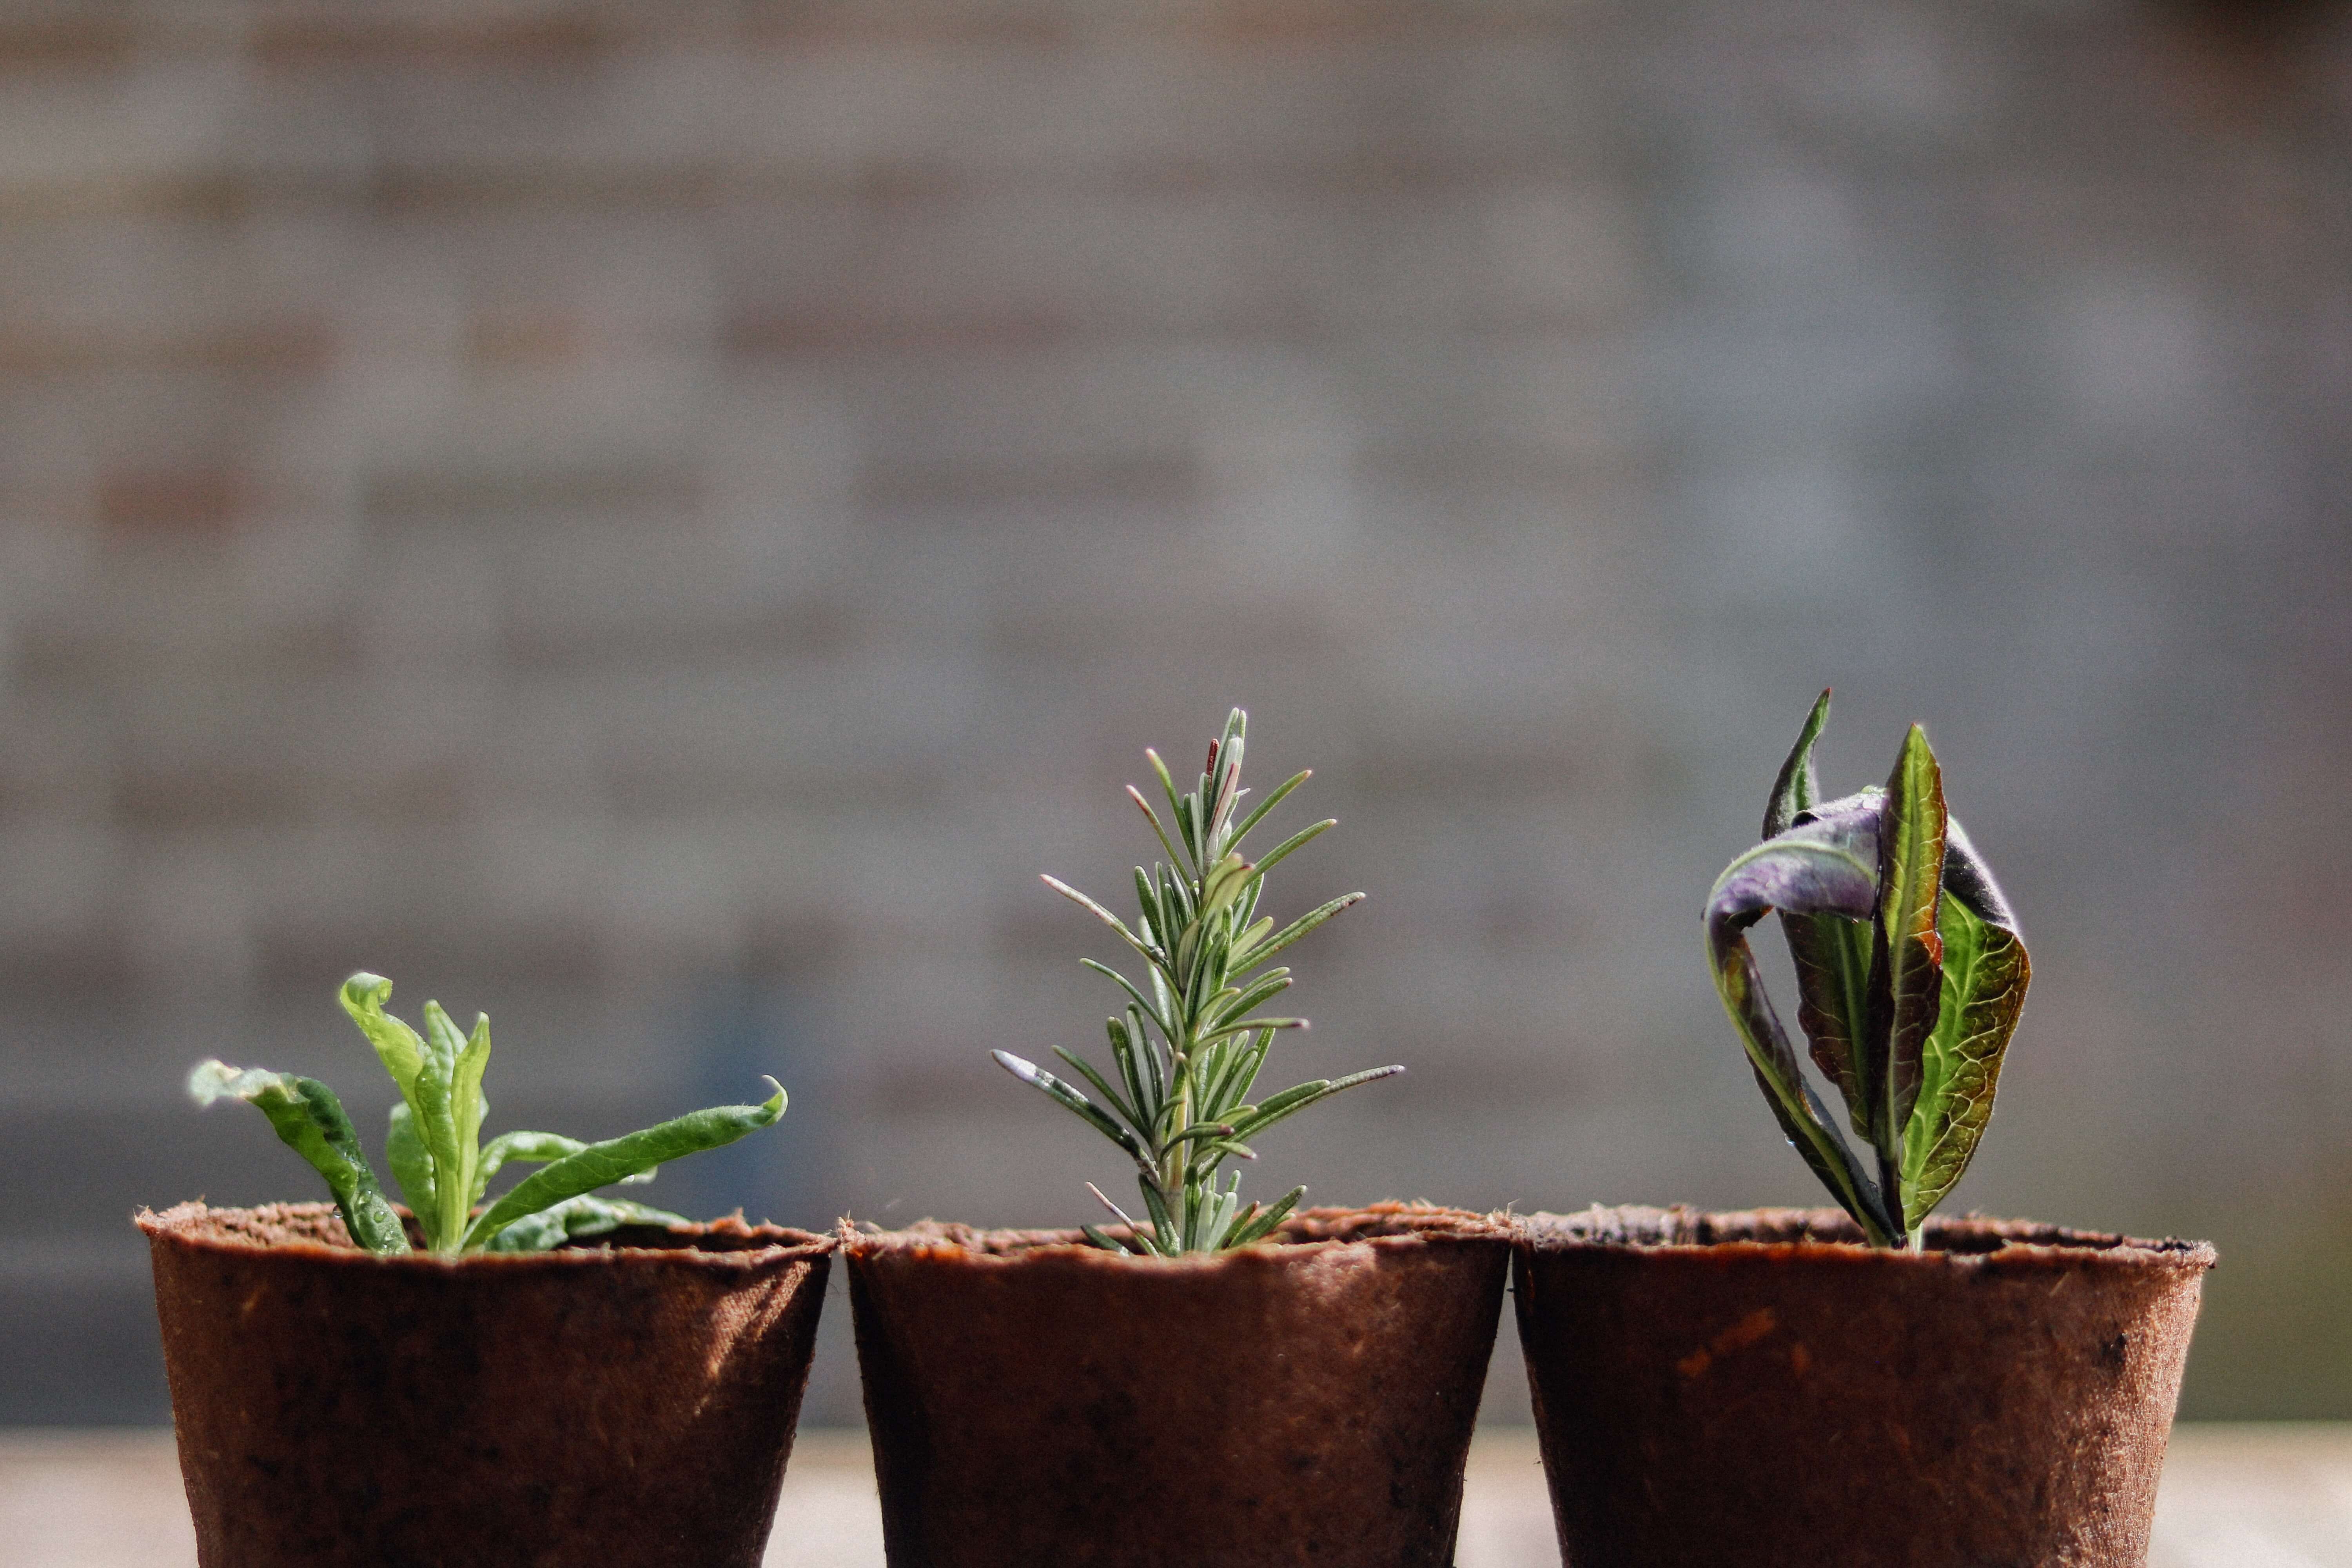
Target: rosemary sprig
(1188,1044)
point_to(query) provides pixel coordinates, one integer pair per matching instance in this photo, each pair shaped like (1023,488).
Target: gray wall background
(658,521)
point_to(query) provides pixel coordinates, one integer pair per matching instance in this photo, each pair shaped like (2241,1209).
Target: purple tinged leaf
(1968,879)
(1911,976)
(1801,870)
(1806,871)
(1832,955)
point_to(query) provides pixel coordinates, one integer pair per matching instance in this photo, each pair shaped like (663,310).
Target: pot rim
(197,1227)
(1830,1238)
(1308,1233)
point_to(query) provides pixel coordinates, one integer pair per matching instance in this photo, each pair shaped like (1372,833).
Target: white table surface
(2253,1495)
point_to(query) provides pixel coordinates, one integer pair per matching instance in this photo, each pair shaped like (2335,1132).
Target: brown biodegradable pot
(1036,1400)
(626,1402)
(1758,1389)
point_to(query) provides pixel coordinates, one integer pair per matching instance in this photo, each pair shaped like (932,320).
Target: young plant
(1910,976)
(435,1149)
(1188,1048)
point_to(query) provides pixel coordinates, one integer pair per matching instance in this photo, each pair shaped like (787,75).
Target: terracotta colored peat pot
(1035,1400)
(628,1404)
(1758,1389)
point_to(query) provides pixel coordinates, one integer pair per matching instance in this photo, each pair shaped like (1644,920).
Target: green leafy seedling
(435,1147)
(1910,977)
(1190,1044)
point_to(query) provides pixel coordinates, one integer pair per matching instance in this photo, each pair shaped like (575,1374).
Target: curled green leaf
(432,1140)
(573,1217)
(310,1120)
(397,1045)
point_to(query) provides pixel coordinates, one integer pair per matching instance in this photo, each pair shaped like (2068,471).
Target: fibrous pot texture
(1036,1400)
(1758,1389)
(627,1402)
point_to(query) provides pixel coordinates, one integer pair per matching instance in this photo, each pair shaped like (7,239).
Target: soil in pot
(1036,1400)
(627,1401)
(1755,1390)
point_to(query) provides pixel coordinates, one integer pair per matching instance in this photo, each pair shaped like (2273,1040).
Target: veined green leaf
(1985,972)
(310,1120)
(601,1164)
(1907,953)
(578,1216)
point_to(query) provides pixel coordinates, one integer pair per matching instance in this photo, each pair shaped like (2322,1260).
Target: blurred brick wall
(658,520)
